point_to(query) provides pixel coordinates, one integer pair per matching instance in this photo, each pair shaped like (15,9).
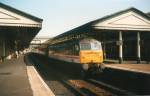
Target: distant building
(38,41)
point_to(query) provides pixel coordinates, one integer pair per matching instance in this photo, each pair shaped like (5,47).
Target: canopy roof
(10,16)
(129,19)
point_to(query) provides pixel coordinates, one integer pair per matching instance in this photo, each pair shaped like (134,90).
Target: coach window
(77,47)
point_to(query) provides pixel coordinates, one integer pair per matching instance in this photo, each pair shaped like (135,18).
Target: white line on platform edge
(37,89)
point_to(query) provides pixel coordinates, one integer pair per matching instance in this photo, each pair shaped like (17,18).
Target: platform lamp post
(138,48)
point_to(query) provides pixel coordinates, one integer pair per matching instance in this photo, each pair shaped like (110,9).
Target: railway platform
(133,77)
(136,68)
(129,66)
(20,79)
(14,79)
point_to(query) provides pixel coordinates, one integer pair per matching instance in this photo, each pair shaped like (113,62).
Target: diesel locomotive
(87,52)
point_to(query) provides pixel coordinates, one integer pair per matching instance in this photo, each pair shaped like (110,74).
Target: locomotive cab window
(96,46)
(85,46)
(90,46)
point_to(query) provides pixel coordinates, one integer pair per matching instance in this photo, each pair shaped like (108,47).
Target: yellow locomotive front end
(91,56)
(90,52)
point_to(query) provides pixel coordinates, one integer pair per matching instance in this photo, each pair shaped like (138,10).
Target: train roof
(20,12)
(86,40)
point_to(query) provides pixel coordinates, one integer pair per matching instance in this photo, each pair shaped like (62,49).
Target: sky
(60,16)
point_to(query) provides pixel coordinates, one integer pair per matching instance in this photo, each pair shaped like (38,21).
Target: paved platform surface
(139,68)
(14,79)
(112,61)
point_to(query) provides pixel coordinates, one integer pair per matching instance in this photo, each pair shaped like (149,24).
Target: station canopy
(130,19)
(16,25)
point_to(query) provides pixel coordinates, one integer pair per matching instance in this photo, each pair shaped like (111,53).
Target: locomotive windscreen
(85,46)
(90,45)
(96,46)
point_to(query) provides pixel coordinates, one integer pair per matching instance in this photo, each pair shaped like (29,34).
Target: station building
(125,35)
(39,42)
(17,29)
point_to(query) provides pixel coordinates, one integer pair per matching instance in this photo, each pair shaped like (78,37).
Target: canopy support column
(138,48)
(3,49)
(120,48)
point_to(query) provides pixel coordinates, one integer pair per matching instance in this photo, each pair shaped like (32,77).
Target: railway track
(77,86)
(111,88)
(91,87)
(84,88)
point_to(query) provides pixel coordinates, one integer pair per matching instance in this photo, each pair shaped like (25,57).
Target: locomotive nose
(90,57)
